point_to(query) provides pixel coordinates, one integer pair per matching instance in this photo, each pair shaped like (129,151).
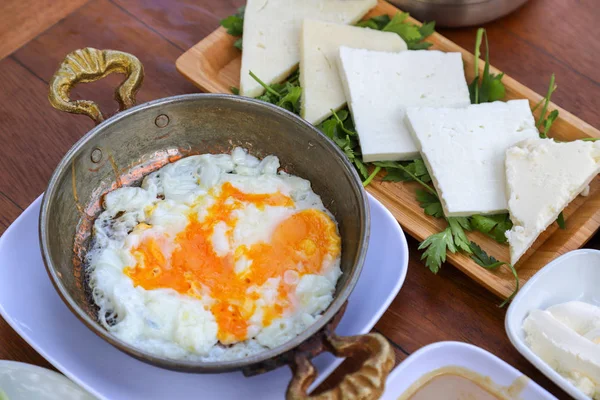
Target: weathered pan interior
(137,141)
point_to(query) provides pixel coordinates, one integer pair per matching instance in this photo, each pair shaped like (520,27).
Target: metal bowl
(123,149)
(457,13)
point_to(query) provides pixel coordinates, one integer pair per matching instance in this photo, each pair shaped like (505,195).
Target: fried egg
(214,257)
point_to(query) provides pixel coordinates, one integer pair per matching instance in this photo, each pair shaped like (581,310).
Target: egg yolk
(300,243)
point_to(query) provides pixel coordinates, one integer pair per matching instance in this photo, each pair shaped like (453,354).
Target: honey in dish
(456,383)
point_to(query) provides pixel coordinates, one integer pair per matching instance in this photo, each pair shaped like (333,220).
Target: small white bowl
(573,276)
(446,354)
(20,381)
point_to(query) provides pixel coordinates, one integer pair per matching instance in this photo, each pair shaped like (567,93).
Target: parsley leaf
(408,32)
(430,204)
(489,262)
(548,123)
(286,95)
(235,24)
(411,171)
(482,258)
(362,168)
(544,103)
(238,44)
(340,128)
(372,176)
(379,22)
(412,34)
(494,226)
(489,87)
(436,247)
(458,225)
(291,100)
(561,221)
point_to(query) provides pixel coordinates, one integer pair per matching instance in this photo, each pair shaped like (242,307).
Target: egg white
(166,323)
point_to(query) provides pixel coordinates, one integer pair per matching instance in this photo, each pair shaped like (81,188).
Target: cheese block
(322,89)
(380,86)
(464,151)
(543,177)
(271,47)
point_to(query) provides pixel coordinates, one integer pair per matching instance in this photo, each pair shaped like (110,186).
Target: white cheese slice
(543,177)
(464,150)
(380,86)
(272,35)
(322,89)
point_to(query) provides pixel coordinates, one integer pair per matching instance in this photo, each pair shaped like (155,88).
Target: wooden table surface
(543,37)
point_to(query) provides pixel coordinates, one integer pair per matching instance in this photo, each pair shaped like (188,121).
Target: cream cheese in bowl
(567,336)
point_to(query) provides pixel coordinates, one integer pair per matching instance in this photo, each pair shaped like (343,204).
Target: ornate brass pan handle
(368,383)
(89,65)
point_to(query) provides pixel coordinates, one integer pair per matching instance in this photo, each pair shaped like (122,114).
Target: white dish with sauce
(573,276)
(457,356)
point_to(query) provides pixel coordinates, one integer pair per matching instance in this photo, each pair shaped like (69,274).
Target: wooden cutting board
(214,66)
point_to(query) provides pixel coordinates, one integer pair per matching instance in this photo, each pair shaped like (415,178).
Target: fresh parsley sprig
(453,238)
(488,87)
(286,95)
(543,120)
(495,226)
(412,34)
(235,25)
(490,263)
(340,128)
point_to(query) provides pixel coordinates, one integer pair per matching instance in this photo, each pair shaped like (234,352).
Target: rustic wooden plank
(9,211)
(432,308)
(576,19)
(32,141)
(35,136)
(182,22)
(23,20)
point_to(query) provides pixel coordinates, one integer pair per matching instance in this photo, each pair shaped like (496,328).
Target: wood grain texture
(12,347)
(9,212)
(213,64)
(447,306)
(25,19)
(181,22)
(37,136)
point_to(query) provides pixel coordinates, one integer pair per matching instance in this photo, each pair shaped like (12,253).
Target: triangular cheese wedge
(272,35)
(543,177)
(322,89)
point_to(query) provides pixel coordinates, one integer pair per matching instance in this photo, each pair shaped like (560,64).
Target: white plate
(573,276)
(20,381)
(32,307)
(446,354)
